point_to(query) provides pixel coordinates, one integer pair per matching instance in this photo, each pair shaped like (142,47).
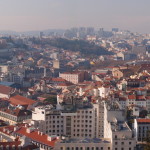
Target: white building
(141,126)
(88,123)
(102,91)
(4,68)
(86,128)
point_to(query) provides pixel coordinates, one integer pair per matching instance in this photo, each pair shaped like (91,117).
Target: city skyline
(41,15)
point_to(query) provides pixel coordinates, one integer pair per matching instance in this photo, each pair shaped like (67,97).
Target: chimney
(4,129)
(8,131)
(52,137)
(44,71)
(16,128)
(29,130)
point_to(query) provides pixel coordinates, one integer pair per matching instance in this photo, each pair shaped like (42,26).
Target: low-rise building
(25,137)
(141,127)
(6,92)
(12,115)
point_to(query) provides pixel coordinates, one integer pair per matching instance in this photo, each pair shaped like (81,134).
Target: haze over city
(74,75)
(30,15)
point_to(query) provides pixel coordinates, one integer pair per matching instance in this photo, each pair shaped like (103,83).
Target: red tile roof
(58,80)
(11,144)
(140,97)
(21,130)
(143,120)
(6,129)
(6,90)
(131,97)
(65,84)
(20,100)
(16,112)
(36,137)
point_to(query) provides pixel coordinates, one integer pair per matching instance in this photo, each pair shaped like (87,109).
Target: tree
(143,113)
(51,99)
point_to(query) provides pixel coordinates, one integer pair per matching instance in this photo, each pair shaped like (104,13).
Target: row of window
(122,148)
(79,130)
(82,116)
(85,112)
(54,117)
(81,148)
(83,125)
(54,126)
(54,121)
(90,121)
(122,143)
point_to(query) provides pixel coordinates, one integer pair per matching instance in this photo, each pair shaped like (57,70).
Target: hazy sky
(23,15)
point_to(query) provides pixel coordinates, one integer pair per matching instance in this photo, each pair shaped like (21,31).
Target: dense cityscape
(75,89)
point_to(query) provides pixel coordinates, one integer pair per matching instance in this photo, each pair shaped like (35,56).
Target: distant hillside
(79,45)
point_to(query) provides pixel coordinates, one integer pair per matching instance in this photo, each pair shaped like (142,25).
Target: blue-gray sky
(23,15)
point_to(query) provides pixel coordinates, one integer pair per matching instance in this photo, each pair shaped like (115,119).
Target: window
(116,143)
(108,148)
(116,149)
(129,148)
(122,143)
(122,148)
(129,143)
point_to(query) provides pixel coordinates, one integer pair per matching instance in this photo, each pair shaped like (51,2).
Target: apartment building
(73,77)
(141,127)
(122,136)
(14,115)
(83,128)
(84,122)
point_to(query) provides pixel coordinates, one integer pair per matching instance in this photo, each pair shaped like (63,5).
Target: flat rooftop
(86,140)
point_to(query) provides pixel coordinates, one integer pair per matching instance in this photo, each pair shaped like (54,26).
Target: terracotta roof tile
(36,137)
(131,97)
(6,90)
(20,100)
(16,112)
(143,120)
(58,80)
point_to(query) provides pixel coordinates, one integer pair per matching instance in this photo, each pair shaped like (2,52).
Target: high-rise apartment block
(85,127)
